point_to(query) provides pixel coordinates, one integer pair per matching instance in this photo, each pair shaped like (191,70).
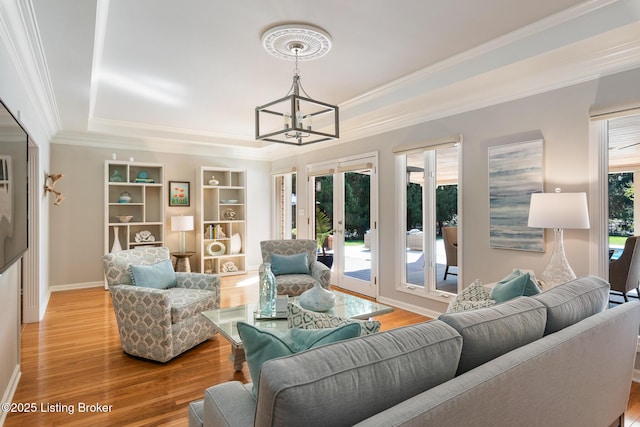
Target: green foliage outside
(621,221)
(357,205)
(446,206)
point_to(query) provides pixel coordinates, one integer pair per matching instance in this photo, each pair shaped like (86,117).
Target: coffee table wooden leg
(237,357)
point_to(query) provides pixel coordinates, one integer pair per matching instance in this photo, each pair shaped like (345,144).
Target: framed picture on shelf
(179,193)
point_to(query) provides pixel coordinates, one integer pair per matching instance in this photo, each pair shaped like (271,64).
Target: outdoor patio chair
(450,237)
(624,272)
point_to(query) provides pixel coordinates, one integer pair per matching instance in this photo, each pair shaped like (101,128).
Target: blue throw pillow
(290,264)
(261,345)
(158,276)
(518,286)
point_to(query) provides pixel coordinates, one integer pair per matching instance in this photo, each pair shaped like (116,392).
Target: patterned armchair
(159,324)
(295,284)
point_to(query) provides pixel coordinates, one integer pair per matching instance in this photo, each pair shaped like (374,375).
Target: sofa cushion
(380,369)
(290,264)
(186,303)
(573,301)
(490,332)
(261,345)
(514,285)
(294,284)
(298,317)
(159,275)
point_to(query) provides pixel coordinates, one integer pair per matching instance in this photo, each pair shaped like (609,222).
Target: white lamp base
(558,271)
(183,246)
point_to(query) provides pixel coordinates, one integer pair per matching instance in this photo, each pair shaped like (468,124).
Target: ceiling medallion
(296,119)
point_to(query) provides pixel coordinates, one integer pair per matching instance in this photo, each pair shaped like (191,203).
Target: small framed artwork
(179,193)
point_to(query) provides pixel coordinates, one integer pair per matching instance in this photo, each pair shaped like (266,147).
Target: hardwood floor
(73,357)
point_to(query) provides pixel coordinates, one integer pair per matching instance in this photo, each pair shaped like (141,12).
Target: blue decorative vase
(268,292)
(317,299)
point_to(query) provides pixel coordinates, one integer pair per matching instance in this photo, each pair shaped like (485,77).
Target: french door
(344,210)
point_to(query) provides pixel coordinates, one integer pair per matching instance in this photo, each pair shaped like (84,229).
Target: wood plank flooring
(74,357)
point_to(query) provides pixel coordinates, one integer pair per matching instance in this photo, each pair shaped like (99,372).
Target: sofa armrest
(321,273)
(143,315)
(229,404)
(209,282)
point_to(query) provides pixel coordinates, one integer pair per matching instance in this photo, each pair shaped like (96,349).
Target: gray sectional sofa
(560,358)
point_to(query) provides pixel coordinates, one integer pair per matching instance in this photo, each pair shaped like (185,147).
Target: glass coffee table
(225,320)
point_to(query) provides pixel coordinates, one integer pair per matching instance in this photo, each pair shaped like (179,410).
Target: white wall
(18,96)
(77,225)
(9,334)
(561,117)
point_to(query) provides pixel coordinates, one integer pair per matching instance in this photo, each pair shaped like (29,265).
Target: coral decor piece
(50,187)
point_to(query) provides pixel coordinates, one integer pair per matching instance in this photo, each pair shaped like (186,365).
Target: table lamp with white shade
(558,211)
(182,223)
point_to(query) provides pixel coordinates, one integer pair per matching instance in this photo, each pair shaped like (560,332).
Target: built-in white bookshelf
(221,220)
(135,190)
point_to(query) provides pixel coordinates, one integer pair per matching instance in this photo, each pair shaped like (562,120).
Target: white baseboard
(73,286)
(410,307)
(7,396)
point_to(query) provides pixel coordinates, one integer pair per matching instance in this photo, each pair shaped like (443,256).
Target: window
(428,175)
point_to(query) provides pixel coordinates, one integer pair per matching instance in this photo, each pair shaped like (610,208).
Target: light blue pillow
(158,276)
(290,264)
(261,345)
(518,286)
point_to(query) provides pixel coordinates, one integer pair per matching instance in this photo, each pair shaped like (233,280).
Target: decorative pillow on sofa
(514,285)
(473,296)
(290,264)
(261,345)
(158,276)
(301,318)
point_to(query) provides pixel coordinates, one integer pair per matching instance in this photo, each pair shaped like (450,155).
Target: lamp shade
(182,223)
(558,210)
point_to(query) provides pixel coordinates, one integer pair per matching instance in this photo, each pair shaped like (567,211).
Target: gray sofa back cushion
(491,332)
(573,301)
(317,387)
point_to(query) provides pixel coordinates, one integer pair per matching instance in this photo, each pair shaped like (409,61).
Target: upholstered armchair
(296,283)
(624,272)
(159,324)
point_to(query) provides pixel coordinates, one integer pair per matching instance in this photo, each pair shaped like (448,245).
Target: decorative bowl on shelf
(124,218)
(229,201)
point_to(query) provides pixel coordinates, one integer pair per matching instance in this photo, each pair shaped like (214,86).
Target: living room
(535,97)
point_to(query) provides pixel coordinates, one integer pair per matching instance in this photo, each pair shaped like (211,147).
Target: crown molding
(163,144)
(616,51)
(19,32)
(506,49)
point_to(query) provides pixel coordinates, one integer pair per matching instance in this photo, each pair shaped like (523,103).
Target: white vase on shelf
(116,241)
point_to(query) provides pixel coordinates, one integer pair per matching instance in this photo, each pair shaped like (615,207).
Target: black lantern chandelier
(296,119)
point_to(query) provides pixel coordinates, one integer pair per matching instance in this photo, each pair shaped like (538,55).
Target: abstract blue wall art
(515,171)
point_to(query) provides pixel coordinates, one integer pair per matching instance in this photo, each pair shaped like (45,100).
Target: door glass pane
(357,217)
(324,213)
